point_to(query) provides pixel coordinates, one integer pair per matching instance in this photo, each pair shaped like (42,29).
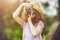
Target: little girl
(31,20)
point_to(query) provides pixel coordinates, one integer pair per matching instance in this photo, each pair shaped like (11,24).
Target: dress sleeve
(41,24)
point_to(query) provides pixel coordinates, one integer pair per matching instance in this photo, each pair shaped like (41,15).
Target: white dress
(27,35)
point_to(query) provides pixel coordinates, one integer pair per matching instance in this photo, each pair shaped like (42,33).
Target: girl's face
(36,15)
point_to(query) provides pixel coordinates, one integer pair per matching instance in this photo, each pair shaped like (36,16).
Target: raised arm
(15,15)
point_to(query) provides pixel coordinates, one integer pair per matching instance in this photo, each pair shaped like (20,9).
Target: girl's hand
(24,4)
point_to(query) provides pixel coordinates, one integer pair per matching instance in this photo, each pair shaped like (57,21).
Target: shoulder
(41,24)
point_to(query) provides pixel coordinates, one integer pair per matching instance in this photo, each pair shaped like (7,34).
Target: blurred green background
(12,30)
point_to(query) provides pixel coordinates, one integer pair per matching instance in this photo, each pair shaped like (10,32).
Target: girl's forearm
(15,15)
(33,29)
(18,10)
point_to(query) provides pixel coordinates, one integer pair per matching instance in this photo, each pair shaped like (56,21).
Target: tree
(56,33)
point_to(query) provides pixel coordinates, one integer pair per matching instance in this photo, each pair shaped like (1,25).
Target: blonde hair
(37,9)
